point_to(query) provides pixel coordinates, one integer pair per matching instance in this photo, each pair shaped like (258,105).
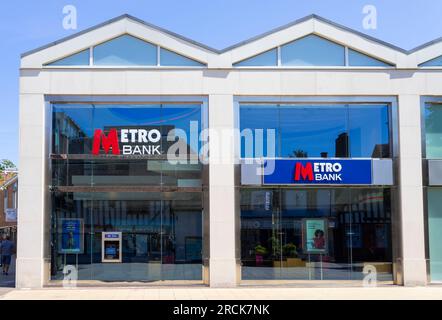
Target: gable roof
(122,17)
(319,25)
(318,18)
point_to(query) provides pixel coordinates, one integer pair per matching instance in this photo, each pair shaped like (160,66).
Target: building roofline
(239,44)
(121,17)
(425,45)
(319,18)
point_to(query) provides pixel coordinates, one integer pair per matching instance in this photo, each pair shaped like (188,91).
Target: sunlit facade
(311,154)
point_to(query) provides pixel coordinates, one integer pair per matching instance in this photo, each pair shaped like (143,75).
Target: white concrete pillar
(223,264)
(31,268)
(411,192)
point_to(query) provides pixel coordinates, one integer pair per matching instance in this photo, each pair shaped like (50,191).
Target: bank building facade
(309,154)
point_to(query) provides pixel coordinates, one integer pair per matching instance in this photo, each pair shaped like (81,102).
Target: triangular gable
(314,25)
(359,43)
(123,25)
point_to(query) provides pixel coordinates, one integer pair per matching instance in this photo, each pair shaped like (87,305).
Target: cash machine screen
(112,250)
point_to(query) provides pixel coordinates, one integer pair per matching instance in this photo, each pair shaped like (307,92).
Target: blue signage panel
(317,171)
(71,236)
(112,235)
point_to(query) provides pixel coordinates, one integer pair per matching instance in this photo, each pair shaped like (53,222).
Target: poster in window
(315,236)
(71,236)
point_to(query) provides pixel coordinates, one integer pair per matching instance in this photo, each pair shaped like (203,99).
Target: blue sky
(27,24)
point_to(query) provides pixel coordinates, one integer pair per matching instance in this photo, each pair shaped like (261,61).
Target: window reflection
(125,50)
(274,233)
(309,51)
(156,205)
(433,131)
(162,235)
(317,131)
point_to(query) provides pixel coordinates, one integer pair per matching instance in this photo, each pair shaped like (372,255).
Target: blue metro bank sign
(320,171)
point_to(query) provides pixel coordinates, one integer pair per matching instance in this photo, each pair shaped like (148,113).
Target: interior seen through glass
(125,217)
(315,234)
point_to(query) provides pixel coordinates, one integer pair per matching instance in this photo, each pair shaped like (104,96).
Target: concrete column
(32,270)
(411,192)
(223,241)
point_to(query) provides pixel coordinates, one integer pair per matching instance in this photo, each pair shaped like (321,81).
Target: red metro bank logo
(109,141)
(318,171)
(127,141)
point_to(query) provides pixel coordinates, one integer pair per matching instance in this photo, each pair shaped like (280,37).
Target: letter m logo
(303,173)
(109,141)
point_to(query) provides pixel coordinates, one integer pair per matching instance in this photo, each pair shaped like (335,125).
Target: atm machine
(111,247)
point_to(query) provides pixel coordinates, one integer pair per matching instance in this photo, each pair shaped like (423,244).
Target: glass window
(436,62)
(433,131)
(74,125)
(358,59)
(161,235)
(154,203)
(351,229)
(369,131)
(77,59)
(72,129)
(169,58)
(268,58)
(125,51)
(259,131)
(315,131)
(312,50)
(434,231)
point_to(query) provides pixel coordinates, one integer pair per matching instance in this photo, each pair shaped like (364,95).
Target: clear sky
(27,24)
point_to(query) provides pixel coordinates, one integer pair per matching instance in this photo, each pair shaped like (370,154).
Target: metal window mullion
(158,56)
(278,50)
(91,56)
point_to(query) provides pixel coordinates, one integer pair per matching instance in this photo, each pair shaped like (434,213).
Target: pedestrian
(7,248)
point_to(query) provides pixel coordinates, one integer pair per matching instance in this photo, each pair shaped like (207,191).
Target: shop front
(146,157)
(323,207)
(121,209)
(432,156)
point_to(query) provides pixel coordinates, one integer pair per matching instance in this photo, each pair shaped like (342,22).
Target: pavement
(313,290)
(239,293)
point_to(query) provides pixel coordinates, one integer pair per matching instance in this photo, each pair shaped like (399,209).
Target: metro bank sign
(127,141)
(317,171)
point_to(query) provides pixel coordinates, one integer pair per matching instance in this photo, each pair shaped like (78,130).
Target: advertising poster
(315,236)
(71,241)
